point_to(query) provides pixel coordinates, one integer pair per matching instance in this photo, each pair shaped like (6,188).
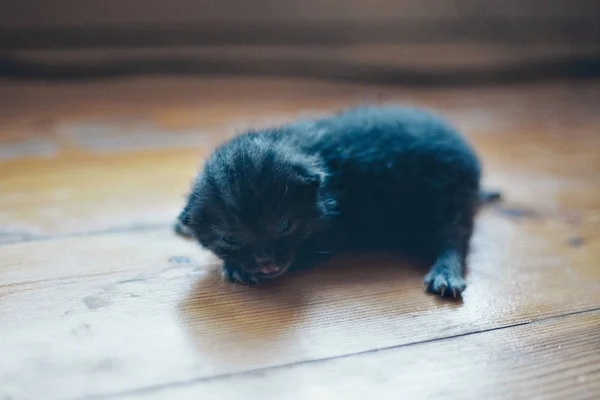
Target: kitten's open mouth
(272,270)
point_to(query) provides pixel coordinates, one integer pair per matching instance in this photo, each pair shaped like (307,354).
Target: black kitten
(370,179)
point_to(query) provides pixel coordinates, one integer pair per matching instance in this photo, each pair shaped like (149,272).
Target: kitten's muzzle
(271,269)
(264,262)
(267,267)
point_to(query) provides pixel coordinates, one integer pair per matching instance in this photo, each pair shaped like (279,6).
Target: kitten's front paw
(238,275)
(445,283)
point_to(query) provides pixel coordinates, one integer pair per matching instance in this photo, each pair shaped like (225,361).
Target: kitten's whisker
(237,278)
(221,283)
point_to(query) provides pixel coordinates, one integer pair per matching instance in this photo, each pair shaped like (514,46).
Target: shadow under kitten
(234,323)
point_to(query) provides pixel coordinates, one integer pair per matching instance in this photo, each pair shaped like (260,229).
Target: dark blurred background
(406,41)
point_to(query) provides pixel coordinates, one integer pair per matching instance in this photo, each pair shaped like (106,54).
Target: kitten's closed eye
(232,240)
(281,228)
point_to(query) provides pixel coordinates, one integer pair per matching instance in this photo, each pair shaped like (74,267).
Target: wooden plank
(264,12)
(80,193)
(432,57)
(388,64)
(33,23)
(102,314)
(554,359)
(489,31)
(136,144)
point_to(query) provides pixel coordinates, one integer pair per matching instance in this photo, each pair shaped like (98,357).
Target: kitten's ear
(313,177)
(308,171)
(185,215)
(182,224)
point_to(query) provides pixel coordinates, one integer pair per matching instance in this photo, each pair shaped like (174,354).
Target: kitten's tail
(489,196)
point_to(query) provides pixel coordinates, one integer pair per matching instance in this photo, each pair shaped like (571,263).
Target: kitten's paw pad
(439,282)
(237,275)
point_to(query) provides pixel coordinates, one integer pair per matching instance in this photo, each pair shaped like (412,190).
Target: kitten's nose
(264,261)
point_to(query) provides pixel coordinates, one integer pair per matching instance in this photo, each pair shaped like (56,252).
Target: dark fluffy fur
(369,179)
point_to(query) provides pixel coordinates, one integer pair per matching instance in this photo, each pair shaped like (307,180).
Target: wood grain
(107,313)
(98,297)
(555,359)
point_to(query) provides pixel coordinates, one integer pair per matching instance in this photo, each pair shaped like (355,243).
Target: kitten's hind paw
(438,281)
(237,275)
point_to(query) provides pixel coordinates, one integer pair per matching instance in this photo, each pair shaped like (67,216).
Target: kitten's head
(255,202)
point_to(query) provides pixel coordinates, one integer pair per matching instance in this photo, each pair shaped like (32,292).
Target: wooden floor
(99,299)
